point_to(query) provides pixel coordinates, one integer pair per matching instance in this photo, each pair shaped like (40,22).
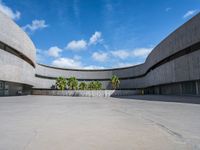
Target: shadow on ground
(164,98)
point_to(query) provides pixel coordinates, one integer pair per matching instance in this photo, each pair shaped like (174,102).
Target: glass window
(1,85)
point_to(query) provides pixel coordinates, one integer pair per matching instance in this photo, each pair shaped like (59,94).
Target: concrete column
(181,89)
(197,88)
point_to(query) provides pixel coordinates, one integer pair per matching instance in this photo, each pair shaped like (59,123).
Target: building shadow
(163,98)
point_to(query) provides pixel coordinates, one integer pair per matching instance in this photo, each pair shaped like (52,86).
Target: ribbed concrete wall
(80,74)
(12,35)
(13,68)
(185,68)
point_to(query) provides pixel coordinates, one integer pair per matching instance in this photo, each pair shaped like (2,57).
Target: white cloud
(190,13)
(122,54)
(77,57)
(76,45)
(168,9)
(9,12)
(100,56)
(83,44)
(95,38)
(138,52)
(54,51)
(67,63)
(141,52)
(94,67)
(73,63)
(122,64)
(35,25)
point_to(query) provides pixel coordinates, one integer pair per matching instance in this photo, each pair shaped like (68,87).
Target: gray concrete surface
(14,69)
(71,123)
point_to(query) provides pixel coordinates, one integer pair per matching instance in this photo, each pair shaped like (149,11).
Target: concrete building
(173,67)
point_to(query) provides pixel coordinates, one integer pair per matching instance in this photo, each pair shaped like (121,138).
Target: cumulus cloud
(54,51)
(77,57)
(93,67)
(189,13)
(138,52)
(141,52)
(74,63)
(67,63)
(122,64)
(35,25)
(122,54)
(76,45)
(100,56)
(15,15)
(95,38)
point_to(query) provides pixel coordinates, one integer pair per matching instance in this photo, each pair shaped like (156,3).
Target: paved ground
(71,123)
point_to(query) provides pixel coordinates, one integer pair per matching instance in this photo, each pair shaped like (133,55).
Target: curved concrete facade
(12,35)
(17,58)
(173,67)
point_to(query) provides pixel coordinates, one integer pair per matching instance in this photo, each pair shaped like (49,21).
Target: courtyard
(82,123)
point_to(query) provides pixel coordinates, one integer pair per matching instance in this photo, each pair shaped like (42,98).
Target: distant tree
(61,83)
(72,83)
(83,86)
(115,82)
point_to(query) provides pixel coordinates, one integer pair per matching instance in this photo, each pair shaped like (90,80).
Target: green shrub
(90,85)
(72,83)
(98,85)
(61,83)
(95,85)
(83,86)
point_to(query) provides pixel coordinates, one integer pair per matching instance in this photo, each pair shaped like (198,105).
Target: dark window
(189,88)
(1,45)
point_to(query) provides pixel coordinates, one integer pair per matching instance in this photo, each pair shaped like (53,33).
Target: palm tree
(98,85)
(82,86)
(95,85)
(61,83)
(72,83)
(115,82)
(91,85)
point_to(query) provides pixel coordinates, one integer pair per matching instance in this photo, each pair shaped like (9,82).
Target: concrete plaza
(80,123)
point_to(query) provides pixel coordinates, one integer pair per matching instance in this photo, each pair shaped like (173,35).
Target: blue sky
(91,34)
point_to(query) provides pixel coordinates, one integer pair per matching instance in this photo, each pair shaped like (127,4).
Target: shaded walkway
(165,98)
